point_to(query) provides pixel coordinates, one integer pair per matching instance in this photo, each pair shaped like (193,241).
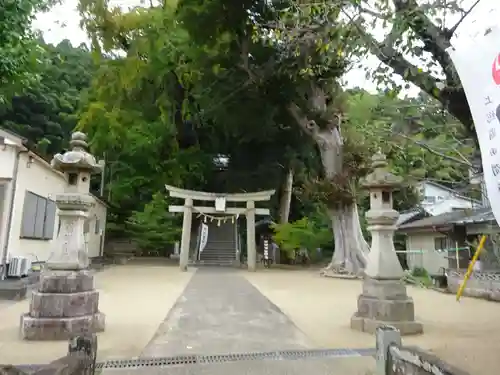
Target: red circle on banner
(496,70)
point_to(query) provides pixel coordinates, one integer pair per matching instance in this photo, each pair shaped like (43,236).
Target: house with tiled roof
(439,230)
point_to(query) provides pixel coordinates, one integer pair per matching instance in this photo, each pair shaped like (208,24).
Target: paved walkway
(208,311)
(221,312)
(137,297)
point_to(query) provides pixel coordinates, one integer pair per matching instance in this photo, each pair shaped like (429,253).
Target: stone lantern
(66,303)
(384,299)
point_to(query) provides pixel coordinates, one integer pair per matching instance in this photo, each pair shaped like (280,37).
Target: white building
(28,215)
(437,199)
(429,248)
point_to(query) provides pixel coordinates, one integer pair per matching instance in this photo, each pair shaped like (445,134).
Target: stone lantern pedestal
(66,303)
(384,300)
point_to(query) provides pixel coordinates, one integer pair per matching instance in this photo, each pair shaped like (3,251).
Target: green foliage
(419,272)
(46,113)
(418,276)
(228,72)
(420,140)
(20,55)
(306,233)
(154,227)
(410,41)
(136,110)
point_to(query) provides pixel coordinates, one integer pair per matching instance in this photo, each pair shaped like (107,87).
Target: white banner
(203,236)
(478,65)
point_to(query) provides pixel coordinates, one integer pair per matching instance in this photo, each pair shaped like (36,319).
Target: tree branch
(452,96)
(433,151)
(455,27)
(309,127)
(386,53)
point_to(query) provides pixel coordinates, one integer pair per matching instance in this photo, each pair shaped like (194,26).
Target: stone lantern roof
(78,159)
(381,177)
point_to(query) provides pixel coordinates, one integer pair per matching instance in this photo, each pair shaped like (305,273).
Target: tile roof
(408,215)
(466,216)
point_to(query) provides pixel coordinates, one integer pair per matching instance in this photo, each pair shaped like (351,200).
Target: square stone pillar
(66,303)
(186,234)
(383,300)
(251,247)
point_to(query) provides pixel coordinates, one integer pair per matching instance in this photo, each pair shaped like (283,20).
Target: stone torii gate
(219,207)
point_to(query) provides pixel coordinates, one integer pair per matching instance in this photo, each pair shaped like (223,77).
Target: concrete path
(221,312)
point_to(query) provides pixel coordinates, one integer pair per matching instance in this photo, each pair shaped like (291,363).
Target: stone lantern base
(385,302)
(65,305)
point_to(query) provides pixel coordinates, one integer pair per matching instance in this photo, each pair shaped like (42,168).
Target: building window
(97,228)
(442,243)
(39,216)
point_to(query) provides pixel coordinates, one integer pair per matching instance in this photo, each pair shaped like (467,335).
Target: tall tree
(139,114)
(302,81)
(252,85)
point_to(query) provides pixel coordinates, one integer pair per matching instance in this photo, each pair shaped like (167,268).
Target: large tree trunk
(351,249)
(286,198)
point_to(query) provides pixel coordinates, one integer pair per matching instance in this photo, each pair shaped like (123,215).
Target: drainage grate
(223,358)
(150,362)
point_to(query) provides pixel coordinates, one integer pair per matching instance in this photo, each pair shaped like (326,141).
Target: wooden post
(251,249)
(186,234)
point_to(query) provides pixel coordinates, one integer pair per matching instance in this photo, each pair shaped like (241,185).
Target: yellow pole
(471,265)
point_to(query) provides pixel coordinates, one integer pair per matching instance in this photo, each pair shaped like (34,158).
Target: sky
(62,22)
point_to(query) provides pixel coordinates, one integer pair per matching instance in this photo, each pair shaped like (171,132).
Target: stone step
(218,258)
(221,240)
(216,248)
(219,247)
(219,253)
(216,263)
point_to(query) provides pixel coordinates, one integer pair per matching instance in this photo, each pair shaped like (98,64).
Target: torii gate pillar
(186,234)
(251,248)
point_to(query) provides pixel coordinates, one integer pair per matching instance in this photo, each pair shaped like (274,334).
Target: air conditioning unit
(19,267)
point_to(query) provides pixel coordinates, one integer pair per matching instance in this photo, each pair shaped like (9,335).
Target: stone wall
(395,359)
(484,285)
